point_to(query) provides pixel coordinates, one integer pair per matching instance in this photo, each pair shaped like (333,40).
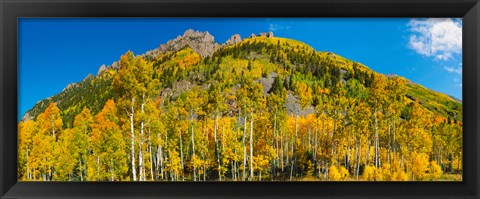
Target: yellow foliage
(378,175)
(399,176)
(368,173)
(420,165)
(343,173)
(305,94)
(435,170)
(457,163)
(334,174)
(386,172)
(397,172)
(260,163)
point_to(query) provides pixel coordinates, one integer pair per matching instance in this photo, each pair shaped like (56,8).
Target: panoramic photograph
(240,99)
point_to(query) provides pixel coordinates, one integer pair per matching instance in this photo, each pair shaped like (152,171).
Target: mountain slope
(179,62)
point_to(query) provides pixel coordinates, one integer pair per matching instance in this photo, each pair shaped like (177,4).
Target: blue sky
(56,52)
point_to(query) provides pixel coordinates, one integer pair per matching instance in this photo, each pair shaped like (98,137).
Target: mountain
(201,42)
(292,59)
(260,108)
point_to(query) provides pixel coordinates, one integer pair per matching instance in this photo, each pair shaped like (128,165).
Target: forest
(263,109)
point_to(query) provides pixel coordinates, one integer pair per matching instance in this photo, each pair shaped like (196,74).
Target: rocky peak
(101,69)
(234,39)
(266,34)
(391,75)
(202,43)
(263,34)
(69,86)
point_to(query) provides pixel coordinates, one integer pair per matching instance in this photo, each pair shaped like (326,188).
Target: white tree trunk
(132,151)
(251,146)
(193,152)
(181,156)
(244,148)
(216,148)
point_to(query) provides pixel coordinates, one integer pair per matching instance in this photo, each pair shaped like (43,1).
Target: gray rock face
(101,69)
(270,34)
(234,39)
(391,75)
(266,34)
(263,34)
(293,106)
(267,82)
(72,85)
(201,42)
(177,88)
(116,65)
(27,117)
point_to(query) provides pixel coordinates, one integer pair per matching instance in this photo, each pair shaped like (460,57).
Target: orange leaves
(50,120)
(186,58)
(438,119)
(107,145)
(107,117)
(323,91)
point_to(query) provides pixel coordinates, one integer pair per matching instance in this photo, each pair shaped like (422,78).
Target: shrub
(435,170)
(343,173)
(333,173)
(399,176)
(386,172)
(420,165)
(368,173)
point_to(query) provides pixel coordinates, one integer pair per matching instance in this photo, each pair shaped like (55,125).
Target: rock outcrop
(263,34)
(294,107)
(270,34)
(101,69)
(69,86)
(267,82)
(234,39)
(115,65)
(202,43)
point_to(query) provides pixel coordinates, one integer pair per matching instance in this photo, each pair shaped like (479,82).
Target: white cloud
(439,38)
(457,82)
(275,27)
(453,70)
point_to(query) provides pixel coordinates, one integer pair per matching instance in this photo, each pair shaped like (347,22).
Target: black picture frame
(11,10)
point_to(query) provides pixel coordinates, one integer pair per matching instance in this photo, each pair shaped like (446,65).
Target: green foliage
(435,102)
